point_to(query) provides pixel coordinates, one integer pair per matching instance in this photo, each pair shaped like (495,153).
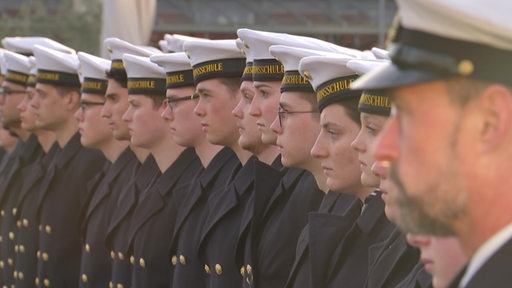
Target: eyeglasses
(281,114)
(86,104)
(172,102)
(6,91)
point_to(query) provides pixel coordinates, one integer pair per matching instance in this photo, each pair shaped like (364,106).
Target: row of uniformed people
(228,210)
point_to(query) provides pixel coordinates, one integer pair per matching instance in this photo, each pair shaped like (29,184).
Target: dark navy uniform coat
(61,199)
(28,233)
(335,216)
(117,239)
(187,269)
(391,261)
(95,268)
(154,219)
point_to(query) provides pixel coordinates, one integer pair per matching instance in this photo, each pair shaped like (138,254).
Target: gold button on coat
(112,255)
(110,285)
(242,271)
(21,249)
(119,285)
(120,255)
(249,269)
(14,211)
(218,269)
(87,248)
(132,259)
(183,261)
(18,223)
(10,261)
(45,256)
(142,263)
(25,222)
(48,229)
(11,235)
(84,278)
(206,269)
(15,274)
(1,264)
(174,260)
(46,282)
(20,275)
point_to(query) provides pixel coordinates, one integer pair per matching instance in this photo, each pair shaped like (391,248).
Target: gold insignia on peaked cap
(465,67)
(188,54)
(109,49)
(246,45)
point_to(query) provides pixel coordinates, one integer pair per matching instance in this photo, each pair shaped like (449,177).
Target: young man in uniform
(141,173)
(56,101)
(155,214)
(95,268)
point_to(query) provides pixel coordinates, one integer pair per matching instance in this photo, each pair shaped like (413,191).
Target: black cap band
(179,79)
(116,66)
(267,70)
(247,75)
(293,81)
(218,69)
(372,103)
(449,57)
(57,78)
(94,86)
(31,81)
(336,90)
(16,77)
(147,86)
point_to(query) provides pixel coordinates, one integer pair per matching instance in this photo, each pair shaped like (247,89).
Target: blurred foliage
(76,24)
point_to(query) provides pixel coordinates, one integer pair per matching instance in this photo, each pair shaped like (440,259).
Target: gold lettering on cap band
(375,100)
(88,84)
(268,69)
(176,78)
(332,88)
(48,76)
(15,76)
(294,80)
(215,67)
(141,84)
(117,64)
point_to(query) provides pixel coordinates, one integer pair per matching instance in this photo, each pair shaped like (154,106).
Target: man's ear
(73,99)
(496,106)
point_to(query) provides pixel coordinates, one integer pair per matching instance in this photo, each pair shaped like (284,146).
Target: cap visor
(391,76)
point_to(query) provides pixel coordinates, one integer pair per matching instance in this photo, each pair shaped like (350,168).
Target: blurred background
(83,24)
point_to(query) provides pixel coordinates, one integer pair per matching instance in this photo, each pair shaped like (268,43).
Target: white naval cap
(214,59)
(291,57)
(18,68)
(162,43)
(55,67)
(31,82)
(144,76)
(330,77)
(175,41)
(380,53)
(441,39)
(3,68)
(247,75)
(117,48)
(177,68)
(371,102)
(25,45)
(94,72)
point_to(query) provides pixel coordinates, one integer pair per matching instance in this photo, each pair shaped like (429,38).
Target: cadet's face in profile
(115,106)
(216,101)
(145,124)
(264,107)
(420,142)
(387,187)
(93,129)
(296,132)
(27,113)
(339,161)
(50,107)
(442,257)
(185,126)
(250,135)
(371,125)
(12,96)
